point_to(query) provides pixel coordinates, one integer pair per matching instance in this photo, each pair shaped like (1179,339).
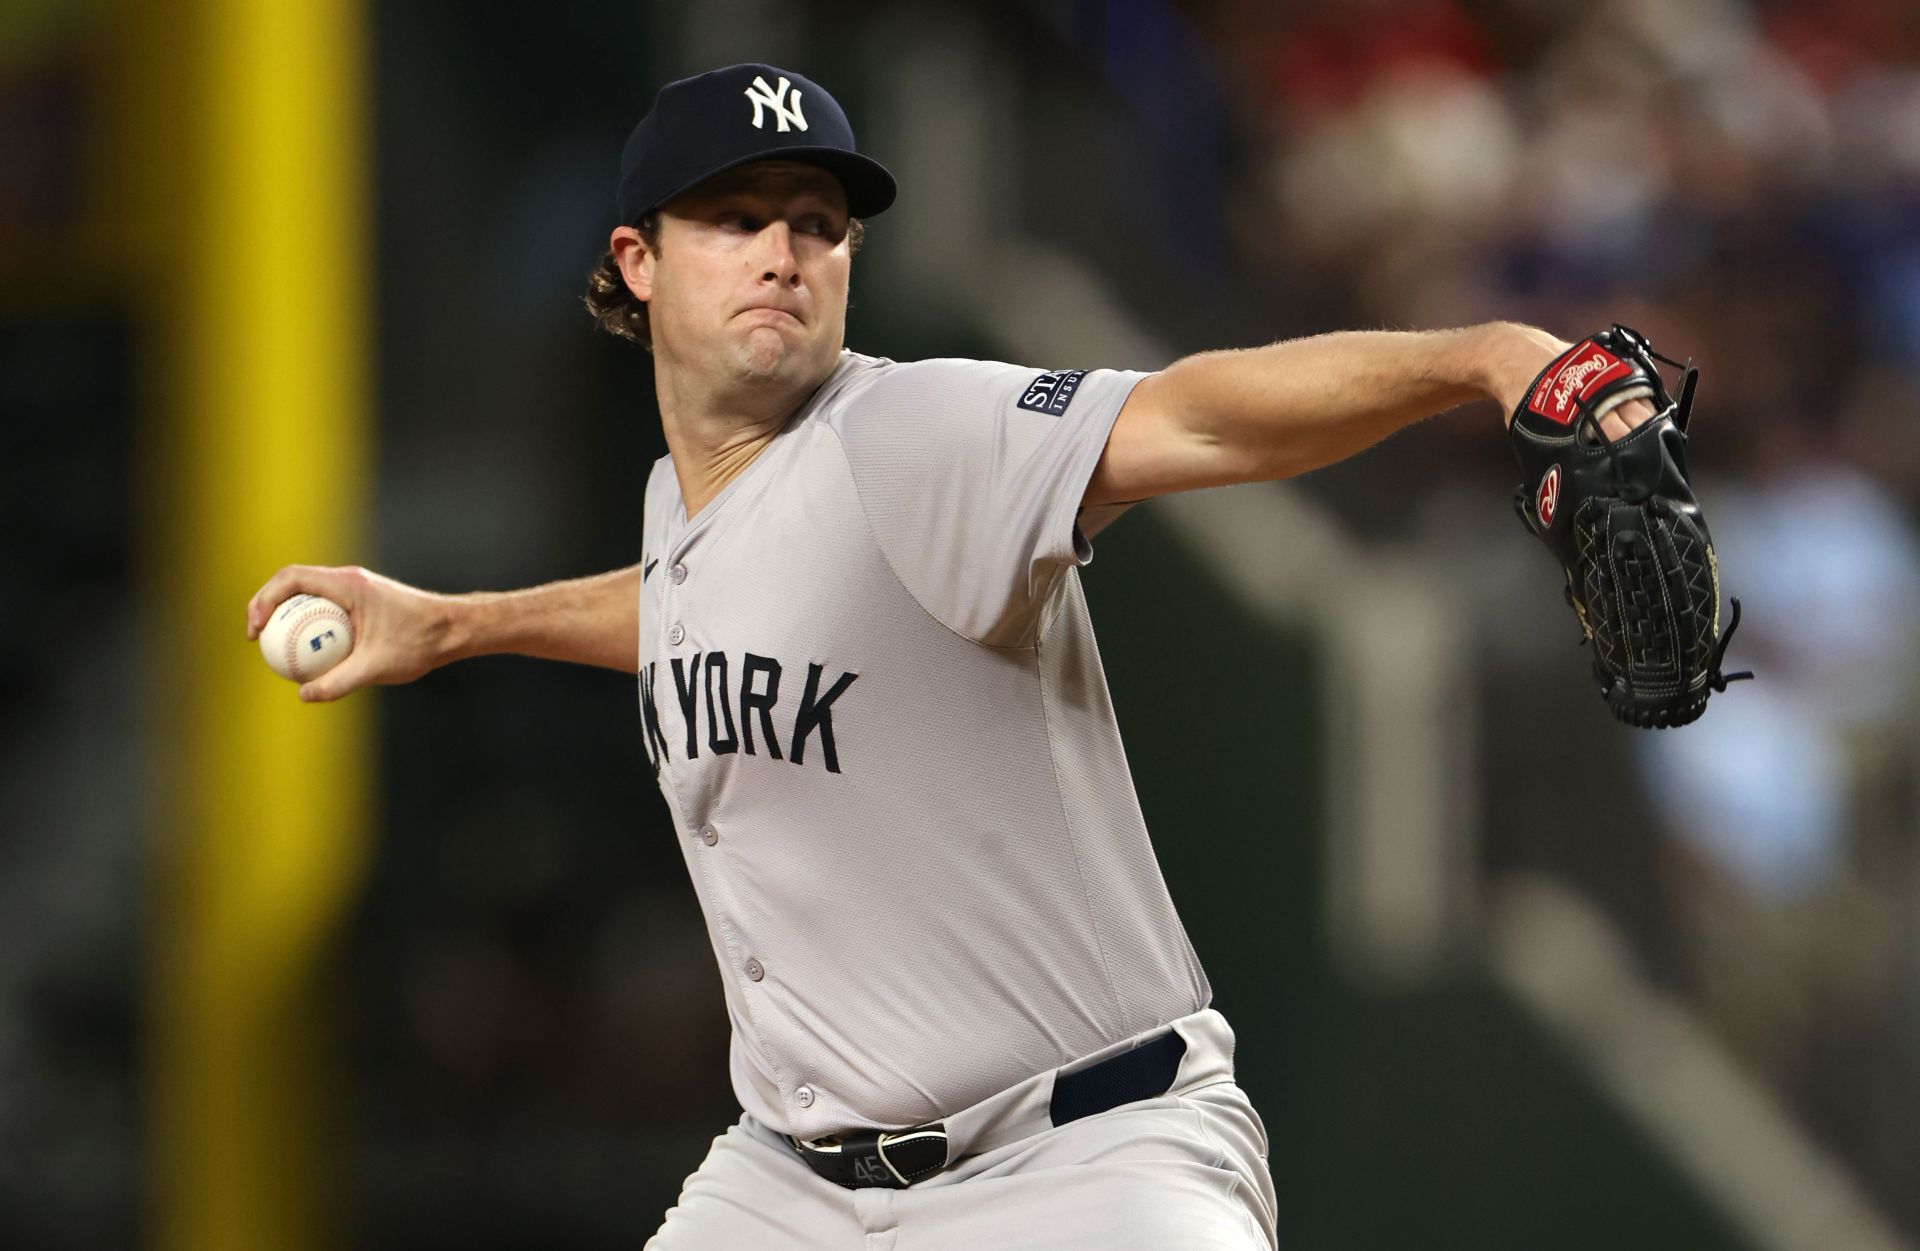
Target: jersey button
(709,836)
(804,1096)
(677,635)
(753,969)
(678,573)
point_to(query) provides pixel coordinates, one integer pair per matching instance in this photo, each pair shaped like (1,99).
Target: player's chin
(769,354)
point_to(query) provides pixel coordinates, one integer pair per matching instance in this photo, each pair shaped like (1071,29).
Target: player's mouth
(770,312)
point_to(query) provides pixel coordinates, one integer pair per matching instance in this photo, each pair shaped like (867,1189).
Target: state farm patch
(1051,392)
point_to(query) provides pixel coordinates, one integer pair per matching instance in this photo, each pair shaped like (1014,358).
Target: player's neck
(714,434)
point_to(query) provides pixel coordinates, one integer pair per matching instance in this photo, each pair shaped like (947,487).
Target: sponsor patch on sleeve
(1050,393)
(1580,371)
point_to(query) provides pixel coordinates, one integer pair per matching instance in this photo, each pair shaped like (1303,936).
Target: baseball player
(964,1012)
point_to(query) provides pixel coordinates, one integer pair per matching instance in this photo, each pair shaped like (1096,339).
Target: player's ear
(636,261)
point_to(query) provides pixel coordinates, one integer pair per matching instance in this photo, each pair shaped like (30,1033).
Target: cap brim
(869,185)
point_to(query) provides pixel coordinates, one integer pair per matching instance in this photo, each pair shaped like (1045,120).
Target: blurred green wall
(1438,1117)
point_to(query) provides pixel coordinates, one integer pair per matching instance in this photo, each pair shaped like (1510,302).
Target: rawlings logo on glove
(1547,502)
(1639,563)
(1568,378)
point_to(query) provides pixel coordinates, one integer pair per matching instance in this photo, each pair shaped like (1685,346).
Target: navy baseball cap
(702,126)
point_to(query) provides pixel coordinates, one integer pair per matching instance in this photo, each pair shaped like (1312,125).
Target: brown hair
(620,313)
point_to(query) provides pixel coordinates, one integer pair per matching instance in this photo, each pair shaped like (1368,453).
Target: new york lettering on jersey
(751,684)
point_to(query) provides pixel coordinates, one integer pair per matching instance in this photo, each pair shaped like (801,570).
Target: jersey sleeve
(971,474)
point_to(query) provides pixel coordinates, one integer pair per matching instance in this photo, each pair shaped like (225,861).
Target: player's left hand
(1621,519)
(1525,352)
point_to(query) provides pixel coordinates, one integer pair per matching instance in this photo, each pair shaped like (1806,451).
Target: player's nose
(776,255)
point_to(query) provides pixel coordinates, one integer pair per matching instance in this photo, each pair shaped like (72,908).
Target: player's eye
(824,226)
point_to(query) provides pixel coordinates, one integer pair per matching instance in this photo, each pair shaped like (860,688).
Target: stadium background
(299,281)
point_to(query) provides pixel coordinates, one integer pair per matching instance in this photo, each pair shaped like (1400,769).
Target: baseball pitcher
(964,1012)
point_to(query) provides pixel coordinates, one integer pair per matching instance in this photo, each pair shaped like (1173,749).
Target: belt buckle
(877,1158)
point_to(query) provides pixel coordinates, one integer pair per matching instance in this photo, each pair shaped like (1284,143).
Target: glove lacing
(1715,678)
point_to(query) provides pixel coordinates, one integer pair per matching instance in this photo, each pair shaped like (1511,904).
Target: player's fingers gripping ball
(306,636)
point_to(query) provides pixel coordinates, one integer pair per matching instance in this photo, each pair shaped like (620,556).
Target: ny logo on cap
(786,109)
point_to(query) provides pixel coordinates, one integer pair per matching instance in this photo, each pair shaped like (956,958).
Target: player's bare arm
(1219,418)
(402,633)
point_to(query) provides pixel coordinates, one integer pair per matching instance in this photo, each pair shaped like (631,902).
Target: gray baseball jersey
(870,689)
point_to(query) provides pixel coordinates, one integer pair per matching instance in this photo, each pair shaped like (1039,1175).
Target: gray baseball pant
(1186,1170)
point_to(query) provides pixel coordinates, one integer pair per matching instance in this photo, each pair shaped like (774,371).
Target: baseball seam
(324,612)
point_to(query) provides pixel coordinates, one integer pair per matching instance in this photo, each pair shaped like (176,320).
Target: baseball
(306,636)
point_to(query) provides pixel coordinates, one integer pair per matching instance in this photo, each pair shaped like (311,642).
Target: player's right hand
(399,632)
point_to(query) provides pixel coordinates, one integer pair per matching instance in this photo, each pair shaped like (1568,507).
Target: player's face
(749,285)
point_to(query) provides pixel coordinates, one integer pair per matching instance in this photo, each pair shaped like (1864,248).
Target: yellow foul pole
(260,458)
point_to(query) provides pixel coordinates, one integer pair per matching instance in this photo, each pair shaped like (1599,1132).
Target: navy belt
(898,1158)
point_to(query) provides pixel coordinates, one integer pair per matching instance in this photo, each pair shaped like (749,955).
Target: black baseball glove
(1621,519)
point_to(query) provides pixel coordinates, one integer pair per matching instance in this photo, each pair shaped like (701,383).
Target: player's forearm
(1281,410)
(588,621)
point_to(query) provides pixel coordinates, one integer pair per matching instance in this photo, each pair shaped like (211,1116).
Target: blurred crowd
(1742,182)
